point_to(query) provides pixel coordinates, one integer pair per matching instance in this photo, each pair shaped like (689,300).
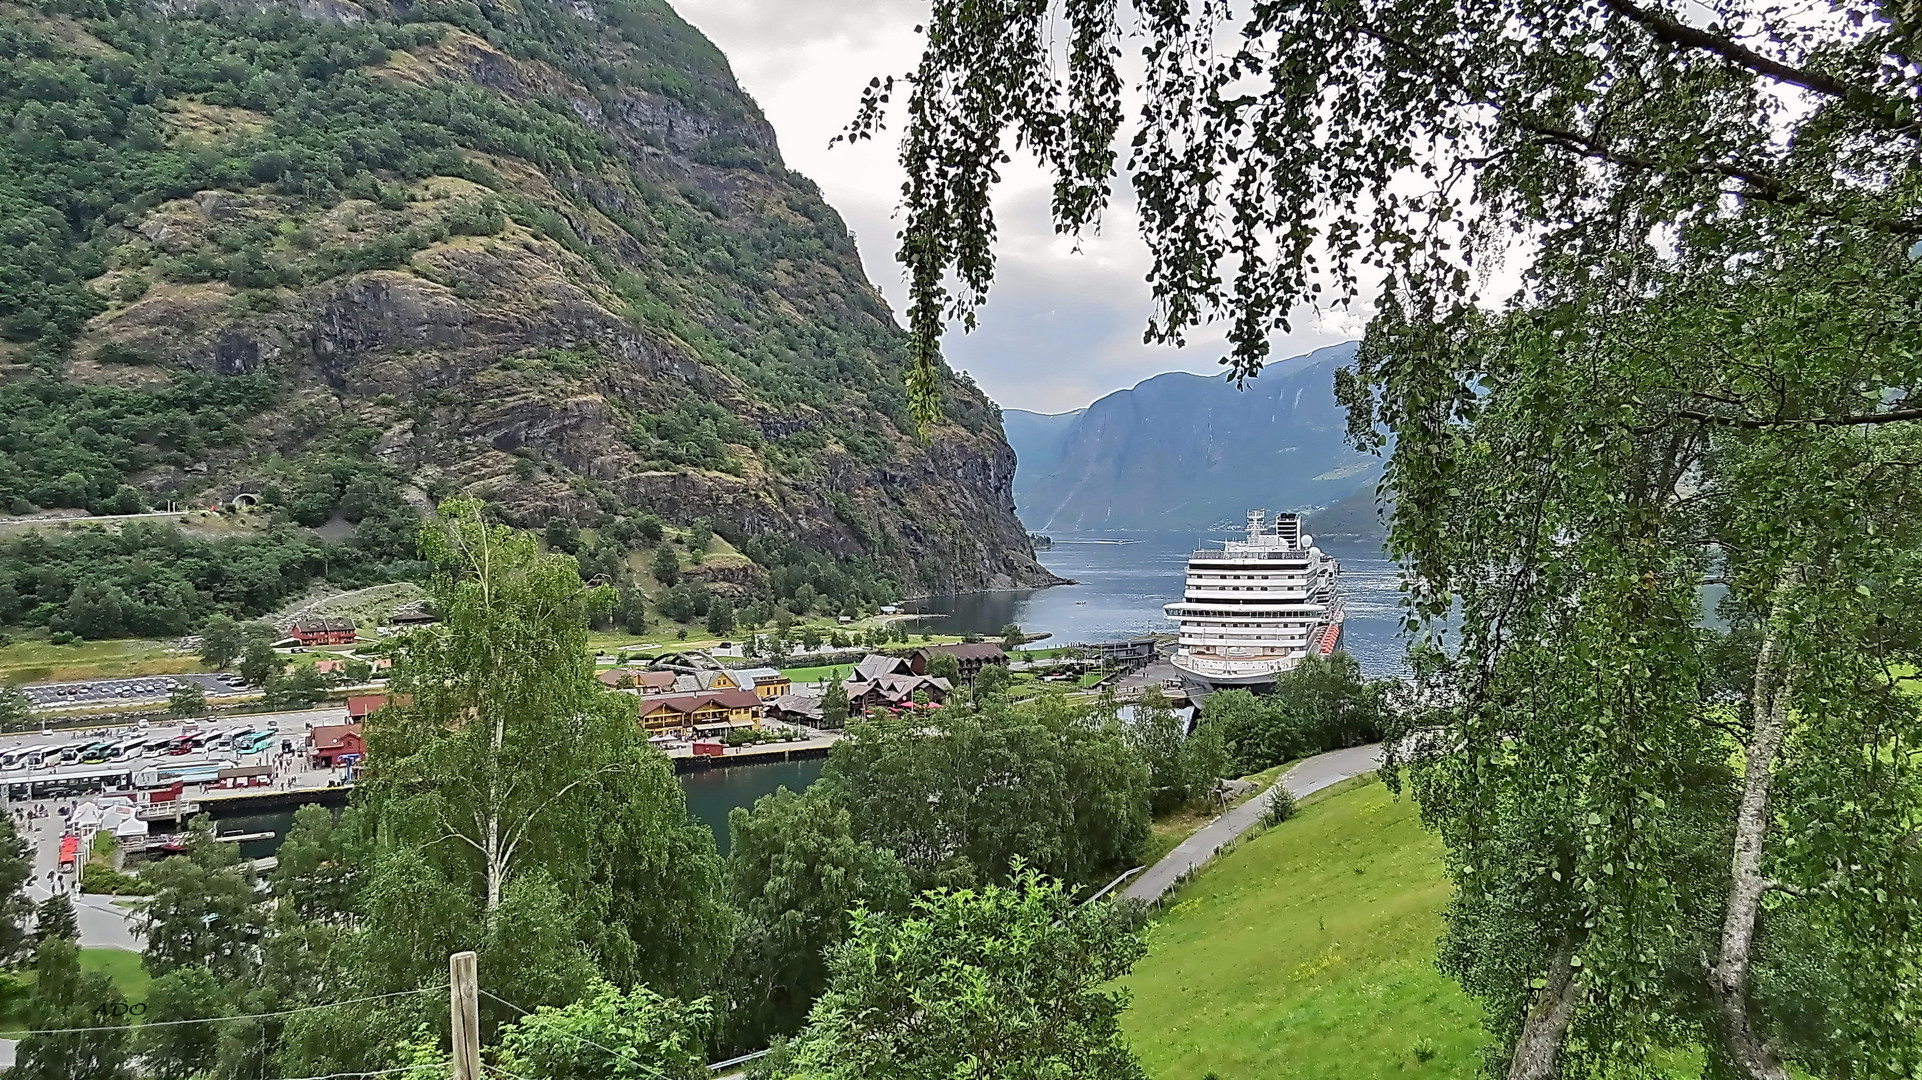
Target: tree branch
(1666,28)
(1887,416)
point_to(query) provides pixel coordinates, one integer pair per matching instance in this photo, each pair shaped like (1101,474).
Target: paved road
(1323,770)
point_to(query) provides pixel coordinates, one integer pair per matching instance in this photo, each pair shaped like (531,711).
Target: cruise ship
(1253,609)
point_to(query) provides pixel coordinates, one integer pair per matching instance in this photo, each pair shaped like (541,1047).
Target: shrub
(1281,805)
(95,878)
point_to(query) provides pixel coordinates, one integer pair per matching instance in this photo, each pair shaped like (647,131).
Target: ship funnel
(1288,527)
(1256,519)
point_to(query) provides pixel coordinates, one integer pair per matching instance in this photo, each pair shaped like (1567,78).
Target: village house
(970,658)
(324,631)
(332,742)
(701,713)
(895,691)
(766,682)
(359,705)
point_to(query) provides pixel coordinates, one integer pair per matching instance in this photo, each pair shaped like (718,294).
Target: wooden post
(464,985)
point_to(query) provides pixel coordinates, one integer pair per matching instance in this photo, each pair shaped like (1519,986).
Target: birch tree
(1705,376)
(501,761)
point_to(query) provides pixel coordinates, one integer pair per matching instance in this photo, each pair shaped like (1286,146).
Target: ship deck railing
(1298,554)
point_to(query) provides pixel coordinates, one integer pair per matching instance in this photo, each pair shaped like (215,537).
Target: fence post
(464,985)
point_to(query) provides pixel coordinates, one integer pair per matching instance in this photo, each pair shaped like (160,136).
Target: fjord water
(1121,588)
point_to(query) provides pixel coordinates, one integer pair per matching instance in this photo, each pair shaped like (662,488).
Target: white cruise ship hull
(1254,610)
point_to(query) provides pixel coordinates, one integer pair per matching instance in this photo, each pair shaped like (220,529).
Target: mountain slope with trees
(341,254)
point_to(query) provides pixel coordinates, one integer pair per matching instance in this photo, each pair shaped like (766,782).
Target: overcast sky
(1062,327)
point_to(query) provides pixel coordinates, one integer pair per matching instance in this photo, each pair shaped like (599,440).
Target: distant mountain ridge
(1182,451)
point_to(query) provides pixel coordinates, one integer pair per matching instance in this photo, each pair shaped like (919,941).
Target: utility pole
(464,985)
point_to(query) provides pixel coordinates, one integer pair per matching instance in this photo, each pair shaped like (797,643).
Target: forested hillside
(356,258)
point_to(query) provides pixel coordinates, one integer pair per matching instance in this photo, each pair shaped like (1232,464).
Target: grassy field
(34,659)
(120,965)
(1308,952)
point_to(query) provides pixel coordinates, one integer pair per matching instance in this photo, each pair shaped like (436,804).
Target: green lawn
(1307,952)
(816,674)
(121,966)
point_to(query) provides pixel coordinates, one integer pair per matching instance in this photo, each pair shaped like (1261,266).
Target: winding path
(1306,778)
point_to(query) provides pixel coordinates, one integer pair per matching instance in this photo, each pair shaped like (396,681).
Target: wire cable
(241,1016)
(629,1058)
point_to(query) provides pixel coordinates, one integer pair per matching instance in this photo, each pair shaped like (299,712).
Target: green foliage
(720,615)
(169,1048)
(945,666)
(16,709)
(1183,770)
(667,566)
(1281,805)
(55,918)
(221,641)
(693,431)
(104,879)
(204,911)
(66,997)
(65,445)
(1000,982)
(260,665)
(1324,703)
(797,874)
(834,705)
(1705,372)
(16,870)
(610,1034)
(520,809)
(187,699)
(152,580)
(965,793)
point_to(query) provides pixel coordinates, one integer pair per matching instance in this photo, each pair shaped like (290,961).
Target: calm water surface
(710,795)
(1122,587)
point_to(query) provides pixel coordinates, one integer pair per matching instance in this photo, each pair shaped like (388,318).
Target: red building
(324,631)
(335,741)
(359,705)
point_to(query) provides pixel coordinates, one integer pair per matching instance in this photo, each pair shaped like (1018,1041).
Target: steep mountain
(1182,451)
(1038,439)
(544,252)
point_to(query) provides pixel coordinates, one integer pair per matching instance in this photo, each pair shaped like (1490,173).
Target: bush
(95,878)
(1281,805)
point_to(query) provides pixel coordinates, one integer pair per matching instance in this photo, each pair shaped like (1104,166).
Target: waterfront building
(766,682)
(1252,610)
(970,657)
(701,713)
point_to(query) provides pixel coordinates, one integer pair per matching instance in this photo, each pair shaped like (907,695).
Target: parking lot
(125,691)
(62,752)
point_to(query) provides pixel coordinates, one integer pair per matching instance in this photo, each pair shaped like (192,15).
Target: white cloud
(1063,324)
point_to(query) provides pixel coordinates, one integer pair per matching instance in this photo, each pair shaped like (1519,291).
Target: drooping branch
(1679,34)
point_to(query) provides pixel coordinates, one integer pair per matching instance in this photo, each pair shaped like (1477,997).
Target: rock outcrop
(669,319)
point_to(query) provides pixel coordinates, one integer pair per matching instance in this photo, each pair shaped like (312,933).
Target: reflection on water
(710,795)
(1122,587)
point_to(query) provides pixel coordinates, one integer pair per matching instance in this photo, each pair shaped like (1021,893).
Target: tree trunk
(496,868)
(1540,1042)
(1728,980)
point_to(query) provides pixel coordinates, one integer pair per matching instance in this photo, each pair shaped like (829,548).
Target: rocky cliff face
(554,260)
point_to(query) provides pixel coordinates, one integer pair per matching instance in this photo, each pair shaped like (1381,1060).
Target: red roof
(338,737)
(359,705)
